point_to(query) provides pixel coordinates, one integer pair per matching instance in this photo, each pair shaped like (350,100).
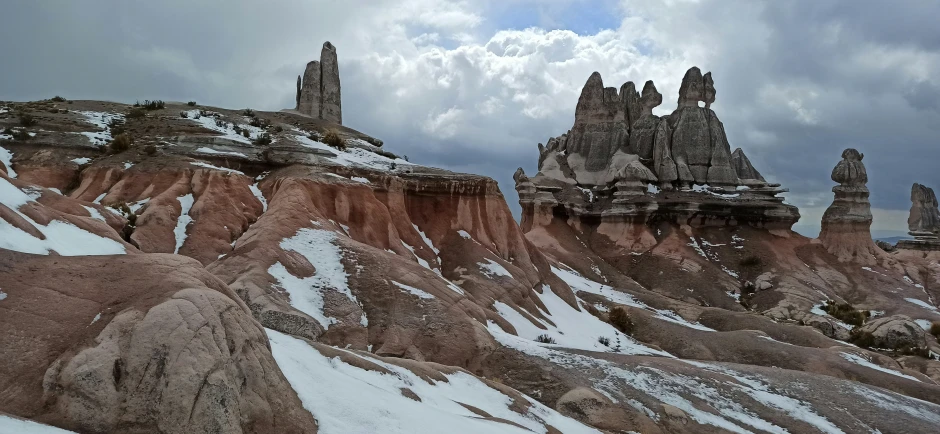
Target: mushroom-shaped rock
(650,99)
(633,178)
(846,224)
(692,89)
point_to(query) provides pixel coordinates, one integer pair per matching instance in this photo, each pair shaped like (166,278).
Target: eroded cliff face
(364,275)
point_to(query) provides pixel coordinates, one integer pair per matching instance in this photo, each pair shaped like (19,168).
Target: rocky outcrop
(743,168)
(142,343)
(319,91)
(924,220)
(896,331)
(846,224)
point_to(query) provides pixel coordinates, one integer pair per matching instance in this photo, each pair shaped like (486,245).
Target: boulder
(895,331)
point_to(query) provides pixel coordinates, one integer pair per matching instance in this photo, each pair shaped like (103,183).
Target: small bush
(888,247)
(909,350)
(620,319)
(20,135)
(750,261)
(333,140)
(846,313)
(191,103)
(545,339)
(263,139)
(58,98)
(153,105)
(127,213)
(278,129)
(246,133)
(27,120)
(603,340)
(121,143)
(8,131)
(935,329)
(184,115)
(136,113)
(220,123)
(116,127)
(150,149)
(861,338)
(248,112)
(137,104)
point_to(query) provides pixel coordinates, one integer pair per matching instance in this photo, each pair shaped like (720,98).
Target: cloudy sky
(473,86)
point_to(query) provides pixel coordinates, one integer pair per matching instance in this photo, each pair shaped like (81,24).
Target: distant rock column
(924,220)
(846,224)
(309,101)
(331,108)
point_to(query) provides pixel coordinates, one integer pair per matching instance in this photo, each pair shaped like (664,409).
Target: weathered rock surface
(896,331)
(743,168)
(846,224)
(924,221)
(136,343)
(319,92)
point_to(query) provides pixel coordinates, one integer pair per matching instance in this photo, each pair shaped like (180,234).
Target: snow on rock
(360,179)
(81,161)
(922,304)
(21,426)
(352,156)
(366,401)
(306,294)
(94,213)
(99,120)
(209,166)
(464,234)
(579,283)
(186,203)
(61,237)
(413,290)
(426,239)
(570,328)
(211,151)
(260,196)
(6,157)
(492,269)
(226,129)
(859,360)
(3,295)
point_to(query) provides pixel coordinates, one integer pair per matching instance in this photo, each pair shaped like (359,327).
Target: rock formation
(924,220)
(318,92)
(616,130)
(846,224)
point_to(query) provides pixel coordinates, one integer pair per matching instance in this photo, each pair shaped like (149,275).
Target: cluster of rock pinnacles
(617,148)
(318,91)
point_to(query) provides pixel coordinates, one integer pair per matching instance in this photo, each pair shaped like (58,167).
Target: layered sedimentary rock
(692,175)
(319,91)
(924,220)
(846,224)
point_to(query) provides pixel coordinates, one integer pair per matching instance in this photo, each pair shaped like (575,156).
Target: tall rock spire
(318,93)
(846,224)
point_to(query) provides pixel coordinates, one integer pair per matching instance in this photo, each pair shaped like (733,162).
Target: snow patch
(413,290)
(210,151)
(260,196)
(426,239)
(858,360)
(186,203)
(922,304)
(209,166)
(6,157)
(464,234)
(493,269)
(22,426)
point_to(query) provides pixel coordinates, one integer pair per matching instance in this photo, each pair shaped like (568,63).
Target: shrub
(935,329)
(184,115)
(58,98)
(20,135)
(8,131)
(909,350)
(220,123)
(136,113)
(248,112)
(750,261)
(121,143)
(127,213)
(137,104)
(153,105)
(620,319)
(150,149)
(545,339)
(27,120)
(888,247)
(191,103)
(846,313)
(263,139)
(116,126)
(246,134)
(603,340)
(333,140)
(278,129)
(861,338)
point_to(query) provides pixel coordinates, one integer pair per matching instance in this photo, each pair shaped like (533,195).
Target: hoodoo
(318,92)
(846,224)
